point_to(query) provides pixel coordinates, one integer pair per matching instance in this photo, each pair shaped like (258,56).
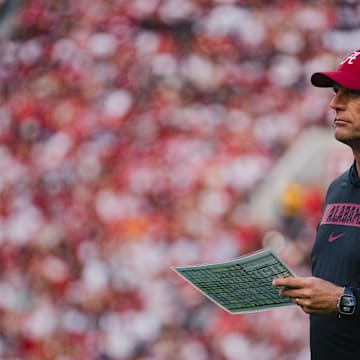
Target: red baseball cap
(347,74)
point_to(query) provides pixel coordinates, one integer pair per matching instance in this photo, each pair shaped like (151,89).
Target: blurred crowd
(132,135)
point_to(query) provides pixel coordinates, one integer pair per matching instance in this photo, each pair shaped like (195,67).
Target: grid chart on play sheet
(240,285)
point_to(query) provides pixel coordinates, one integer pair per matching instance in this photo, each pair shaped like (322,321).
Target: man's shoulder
(340,183)
(341,178)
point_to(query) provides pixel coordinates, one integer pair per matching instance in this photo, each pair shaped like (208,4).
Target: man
(332,295)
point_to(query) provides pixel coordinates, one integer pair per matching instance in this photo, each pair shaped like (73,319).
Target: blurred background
(140,134)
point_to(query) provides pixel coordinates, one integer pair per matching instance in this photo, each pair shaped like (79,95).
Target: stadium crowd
(132,134)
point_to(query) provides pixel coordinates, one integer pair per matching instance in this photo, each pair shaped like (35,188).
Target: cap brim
(343,78)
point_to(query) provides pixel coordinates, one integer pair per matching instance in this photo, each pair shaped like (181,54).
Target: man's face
(346,104)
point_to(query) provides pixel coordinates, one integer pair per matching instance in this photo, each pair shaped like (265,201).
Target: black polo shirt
(336,258)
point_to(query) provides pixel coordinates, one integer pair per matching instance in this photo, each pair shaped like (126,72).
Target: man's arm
(314,295)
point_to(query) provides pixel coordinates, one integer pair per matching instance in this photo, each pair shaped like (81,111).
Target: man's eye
(346,92)
(354,92)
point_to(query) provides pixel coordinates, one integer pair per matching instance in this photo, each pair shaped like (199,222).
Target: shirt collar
(353,175)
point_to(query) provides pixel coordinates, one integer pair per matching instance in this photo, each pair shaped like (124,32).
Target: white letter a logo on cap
(351,58)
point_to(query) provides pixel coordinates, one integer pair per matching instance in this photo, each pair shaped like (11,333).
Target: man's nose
(338,102)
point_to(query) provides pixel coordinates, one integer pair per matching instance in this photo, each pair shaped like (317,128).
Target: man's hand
(314,295)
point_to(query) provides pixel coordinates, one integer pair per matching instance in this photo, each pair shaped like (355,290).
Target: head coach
(332,294)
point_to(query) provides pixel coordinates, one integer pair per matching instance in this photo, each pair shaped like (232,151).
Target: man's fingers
(279,281)
(282,281)
(291,293)
(290,282)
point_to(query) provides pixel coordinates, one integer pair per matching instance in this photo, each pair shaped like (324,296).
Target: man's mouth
(339,121)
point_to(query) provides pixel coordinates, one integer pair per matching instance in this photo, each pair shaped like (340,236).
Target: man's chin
(340,137)
(354,143)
